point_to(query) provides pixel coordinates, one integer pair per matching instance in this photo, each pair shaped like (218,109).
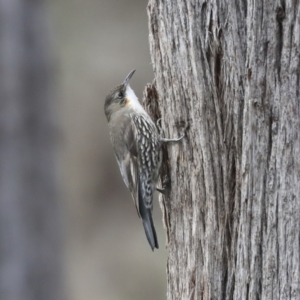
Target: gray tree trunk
(30,239)
(227,73)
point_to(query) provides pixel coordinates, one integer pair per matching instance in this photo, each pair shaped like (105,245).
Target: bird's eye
(120,95)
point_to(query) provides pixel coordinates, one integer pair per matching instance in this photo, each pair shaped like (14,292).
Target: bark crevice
(230,71)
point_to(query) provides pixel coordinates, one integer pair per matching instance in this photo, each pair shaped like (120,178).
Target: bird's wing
(127,157)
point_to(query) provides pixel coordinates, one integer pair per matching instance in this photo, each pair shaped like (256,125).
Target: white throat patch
(133,100)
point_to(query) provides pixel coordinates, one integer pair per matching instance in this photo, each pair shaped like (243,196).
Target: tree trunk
(227,73)
(30,242)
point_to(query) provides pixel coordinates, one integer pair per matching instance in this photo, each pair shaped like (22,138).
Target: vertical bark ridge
(227,72)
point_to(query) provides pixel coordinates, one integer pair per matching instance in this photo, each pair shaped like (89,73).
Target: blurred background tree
(30,223)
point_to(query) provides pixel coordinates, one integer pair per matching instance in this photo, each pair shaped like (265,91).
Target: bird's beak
(126,81)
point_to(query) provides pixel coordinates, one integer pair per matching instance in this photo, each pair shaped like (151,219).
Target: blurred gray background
(107,256)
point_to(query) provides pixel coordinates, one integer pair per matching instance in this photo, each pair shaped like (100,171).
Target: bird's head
(120,97)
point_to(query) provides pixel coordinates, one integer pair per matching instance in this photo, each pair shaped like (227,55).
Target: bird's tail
(150,230)
(148,224)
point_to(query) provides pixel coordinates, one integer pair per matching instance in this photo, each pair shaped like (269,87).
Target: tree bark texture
(227,74)
(30,232)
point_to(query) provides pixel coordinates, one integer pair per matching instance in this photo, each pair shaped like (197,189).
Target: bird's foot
(165,185)
(164,140)
(162,191)
(158,125)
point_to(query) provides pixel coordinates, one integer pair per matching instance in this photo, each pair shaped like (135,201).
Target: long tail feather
(148,224)
(150,230)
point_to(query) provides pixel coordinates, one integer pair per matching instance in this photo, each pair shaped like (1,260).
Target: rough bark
(30,238)
(227,73)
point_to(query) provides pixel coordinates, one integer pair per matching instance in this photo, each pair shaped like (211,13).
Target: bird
(137,146)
